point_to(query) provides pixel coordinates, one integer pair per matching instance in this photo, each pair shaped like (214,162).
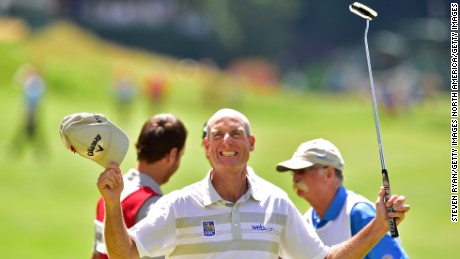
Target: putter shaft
(386,181)
(374,99)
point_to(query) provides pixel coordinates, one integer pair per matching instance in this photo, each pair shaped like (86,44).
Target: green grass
(48,198)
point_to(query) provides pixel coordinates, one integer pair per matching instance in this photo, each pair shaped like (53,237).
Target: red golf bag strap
(133,203)
(103,256)
(130,206)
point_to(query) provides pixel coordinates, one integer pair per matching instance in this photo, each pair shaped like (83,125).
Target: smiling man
(231,213)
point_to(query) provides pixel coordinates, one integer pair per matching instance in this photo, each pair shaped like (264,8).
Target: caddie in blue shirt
(336,213)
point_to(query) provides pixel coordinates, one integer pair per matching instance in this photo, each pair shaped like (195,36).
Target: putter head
(363,11)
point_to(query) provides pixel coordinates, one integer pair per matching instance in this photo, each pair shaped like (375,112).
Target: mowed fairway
(48,197)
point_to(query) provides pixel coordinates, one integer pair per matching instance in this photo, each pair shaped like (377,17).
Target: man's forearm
(117,240)
(361,243)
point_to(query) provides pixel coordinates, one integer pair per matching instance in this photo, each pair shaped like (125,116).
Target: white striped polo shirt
(195,222)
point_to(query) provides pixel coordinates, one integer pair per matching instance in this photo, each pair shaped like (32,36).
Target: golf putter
(369,14)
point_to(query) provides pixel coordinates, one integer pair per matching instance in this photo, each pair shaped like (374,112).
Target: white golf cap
(317,151)
(93,136)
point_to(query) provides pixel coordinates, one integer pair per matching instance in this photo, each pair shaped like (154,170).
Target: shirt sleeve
(145,208)
(361,214)
(155,235)
(299,240)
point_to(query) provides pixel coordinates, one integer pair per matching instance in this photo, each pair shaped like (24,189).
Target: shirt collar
(144,180)
(254,182)
(211,196)
(335,207)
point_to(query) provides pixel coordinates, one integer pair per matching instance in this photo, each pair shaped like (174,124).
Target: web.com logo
(261,227)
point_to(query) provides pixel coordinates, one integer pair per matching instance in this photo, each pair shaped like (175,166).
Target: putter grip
(391,221)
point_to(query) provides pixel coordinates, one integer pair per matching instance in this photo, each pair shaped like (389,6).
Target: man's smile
(228,153)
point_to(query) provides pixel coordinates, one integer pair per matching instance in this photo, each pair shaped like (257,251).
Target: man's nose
(295,177)
(227,138)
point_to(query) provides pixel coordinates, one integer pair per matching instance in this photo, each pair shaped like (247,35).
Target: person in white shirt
(230,213)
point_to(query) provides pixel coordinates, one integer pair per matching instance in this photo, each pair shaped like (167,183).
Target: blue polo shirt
(361,214)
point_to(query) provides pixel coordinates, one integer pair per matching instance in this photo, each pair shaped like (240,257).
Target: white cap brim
(292,164)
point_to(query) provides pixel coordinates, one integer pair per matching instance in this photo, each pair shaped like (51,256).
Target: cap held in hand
(93,136)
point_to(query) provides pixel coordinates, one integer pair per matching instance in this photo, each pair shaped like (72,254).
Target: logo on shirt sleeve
(209,228)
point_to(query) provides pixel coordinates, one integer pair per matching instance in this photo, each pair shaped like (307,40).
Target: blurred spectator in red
(156,88)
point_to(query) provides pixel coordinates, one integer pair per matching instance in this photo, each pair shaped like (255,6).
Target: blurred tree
(296,33)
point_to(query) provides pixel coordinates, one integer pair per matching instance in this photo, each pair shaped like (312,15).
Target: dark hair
(159,135)
(205,130)
(338,174)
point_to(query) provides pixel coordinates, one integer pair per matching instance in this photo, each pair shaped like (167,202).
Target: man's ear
(330,172)
(206,144)
(252,142)
(173,154)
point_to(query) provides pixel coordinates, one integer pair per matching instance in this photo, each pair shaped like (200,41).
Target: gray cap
(317,151)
